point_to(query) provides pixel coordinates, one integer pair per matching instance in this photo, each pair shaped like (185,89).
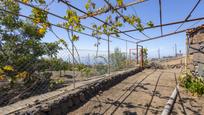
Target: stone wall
(69,101)
(196,49)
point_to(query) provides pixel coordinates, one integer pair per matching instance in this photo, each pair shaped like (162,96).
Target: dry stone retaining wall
(74,99)
(196,49)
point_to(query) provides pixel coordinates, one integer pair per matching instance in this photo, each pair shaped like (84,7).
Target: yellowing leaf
(25,1)
(41,31)
(22,75)
(120,2)
(1,78)
(39,16)
(8,68)
(36,21)
(46,25)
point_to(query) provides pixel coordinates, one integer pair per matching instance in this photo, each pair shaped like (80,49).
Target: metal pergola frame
(161,24)
(109,6)
(135,40)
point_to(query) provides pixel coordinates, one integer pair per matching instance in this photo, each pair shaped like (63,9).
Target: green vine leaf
(75,38)
(90,5)
(117,35)
(150,24)
(73,21)
(63,42)
(41,1)
(87,6)
(140,27)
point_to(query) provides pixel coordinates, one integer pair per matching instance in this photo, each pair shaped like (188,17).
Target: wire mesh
(49,73)
(30,74)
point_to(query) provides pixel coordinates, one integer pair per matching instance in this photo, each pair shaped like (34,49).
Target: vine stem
(51,30)
(73,61)
(126,54)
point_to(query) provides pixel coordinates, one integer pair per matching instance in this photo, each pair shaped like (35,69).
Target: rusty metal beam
(105,9)
(169,34)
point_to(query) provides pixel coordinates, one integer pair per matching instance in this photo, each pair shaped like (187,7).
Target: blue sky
(173,10)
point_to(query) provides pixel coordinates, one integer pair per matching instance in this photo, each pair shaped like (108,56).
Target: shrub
(192,83)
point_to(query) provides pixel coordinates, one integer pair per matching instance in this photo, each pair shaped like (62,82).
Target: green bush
(192,83)
(196,86)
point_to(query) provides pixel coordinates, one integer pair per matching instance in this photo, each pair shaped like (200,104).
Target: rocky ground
(188,104)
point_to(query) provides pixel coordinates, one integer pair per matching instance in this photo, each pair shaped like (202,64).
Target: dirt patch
(146,92)
(188,104)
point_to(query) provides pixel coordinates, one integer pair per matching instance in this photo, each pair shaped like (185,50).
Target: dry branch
(108,8)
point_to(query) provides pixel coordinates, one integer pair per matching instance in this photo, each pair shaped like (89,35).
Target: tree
(145,54)
(117,59)
(21,45)
(101,68)
(58,65)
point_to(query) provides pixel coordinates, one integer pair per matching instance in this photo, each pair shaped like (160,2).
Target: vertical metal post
(130,52)
(126,55)
(141,58)
(69,59)
(188,42)
(109,55)
(137,54)
(187,52)
(89,62)
(175,50)
(73,63)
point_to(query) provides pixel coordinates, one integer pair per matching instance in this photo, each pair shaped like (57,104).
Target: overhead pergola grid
(70,5)
(60,17)
(125,31)
(109,4)
(161,24)
(189,15)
